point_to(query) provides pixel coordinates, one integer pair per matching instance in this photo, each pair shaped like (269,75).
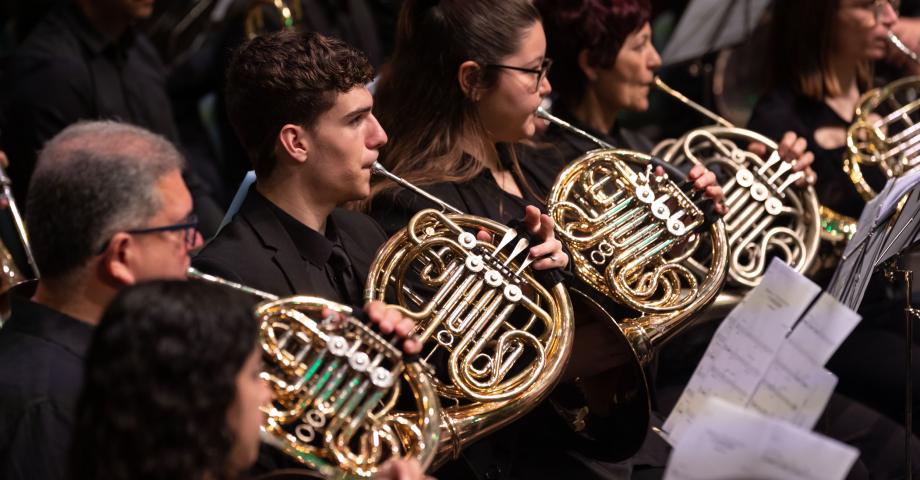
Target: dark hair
(598,26)
(160,378)
(92,180)
(419,101)
(287,77)
(802,39)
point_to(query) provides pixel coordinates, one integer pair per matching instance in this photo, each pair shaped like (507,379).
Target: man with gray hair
(106,208)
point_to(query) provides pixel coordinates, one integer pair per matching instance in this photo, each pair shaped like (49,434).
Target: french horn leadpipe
(896,41)
(335,385)
(498,339)
(10,274)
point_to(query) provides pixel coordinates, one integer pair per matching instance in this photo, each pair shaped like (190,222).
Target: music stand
(889,229)
(710,25)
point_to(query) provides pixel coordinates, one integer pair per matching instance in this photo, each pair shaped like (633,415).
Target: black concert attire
(875,379)
(41,373)
(780,111)
(266,248)
(67,71)
(843,419)
(537,445)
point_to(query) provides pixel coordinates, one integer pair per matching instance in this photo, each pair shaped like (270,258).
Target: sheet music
(794,388)
(745,344)
(732,442)
(826,325)
(709,25)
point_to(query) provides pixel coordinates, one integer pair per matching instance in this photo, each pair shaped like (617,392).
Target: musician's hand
(705,181)
(400,469)
(792,148)
(549,252)
(4,160)
(388,320)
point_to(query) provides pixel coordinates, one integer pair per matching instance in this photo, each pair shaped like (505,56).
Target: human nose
(378,137)
(544,88)
(654,61)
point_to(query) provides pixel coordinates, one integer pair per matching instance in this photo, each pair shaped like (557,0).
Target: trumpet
(335,385)
(498,339)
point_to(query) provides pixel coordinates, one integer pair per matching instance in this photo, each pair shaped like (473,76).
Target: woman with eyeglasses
(458,102)
(822,59)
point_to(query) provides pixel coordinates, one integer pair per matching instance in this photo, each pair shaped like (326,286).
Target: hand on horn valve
(549,254)
(792,148)
(387,320)
(705,181)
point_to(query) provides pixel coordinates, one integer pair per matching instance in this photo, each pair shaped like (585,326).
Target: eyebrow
(357,113)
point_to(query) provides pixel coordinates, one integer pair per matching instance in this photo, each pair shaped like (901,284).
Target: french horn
(638,239)
(11,273)
(498,338)
(335,387)
(884,133)
(768,215)
(282,14)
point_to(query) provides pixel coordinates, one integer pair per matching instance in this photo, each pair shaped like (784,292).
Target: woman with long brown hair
(458,101)
(821,61)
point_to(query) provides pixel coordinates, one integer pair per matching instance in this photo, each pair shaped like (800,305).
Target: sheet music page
(732,442)
(823,329)
(794,388)
(744,345)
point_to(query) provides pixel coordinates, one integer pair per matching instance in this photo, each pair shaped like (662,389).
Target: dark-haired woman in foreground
(173,387)
(458,102)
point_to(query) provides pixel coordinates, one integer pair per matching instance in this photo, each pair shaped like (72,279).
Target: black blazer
(254,249)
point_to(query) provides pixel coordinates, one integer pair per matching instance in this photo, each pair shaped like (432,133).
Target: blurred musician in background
(821,60)
(606,66)
(85,60)
(816,83)
(107,208)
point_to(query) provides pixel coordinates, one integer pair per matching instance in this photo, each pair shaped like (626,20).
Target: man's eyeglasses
(189,227)
(539,72)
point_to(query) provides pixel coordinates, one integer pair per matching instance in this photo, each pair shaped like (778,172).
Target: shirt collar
(44,322)
(312,246)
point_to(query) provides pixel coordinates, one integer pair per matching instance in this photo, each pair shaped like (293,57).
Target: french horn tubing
(335,386)
(884,133)
(10,273)
(768,215)
(497,338)
(637,238)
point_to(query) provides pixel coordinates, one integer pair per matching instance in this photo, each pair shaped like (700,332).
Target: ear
(469,75)
(115,261)
(295,142)
(585,65)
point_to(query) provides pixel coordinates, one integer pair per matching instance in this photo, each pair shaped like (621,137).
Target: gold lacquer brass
(496,337)
(287,14)
(338,400)
(768,215)
(884,133)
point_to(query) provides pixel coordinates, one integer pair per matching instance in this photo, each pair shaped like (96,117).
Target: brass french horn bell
(335,386)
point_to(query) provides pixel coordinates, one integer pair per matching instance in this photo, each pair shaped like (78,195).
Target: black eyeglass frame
(539,72)
(190,225)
